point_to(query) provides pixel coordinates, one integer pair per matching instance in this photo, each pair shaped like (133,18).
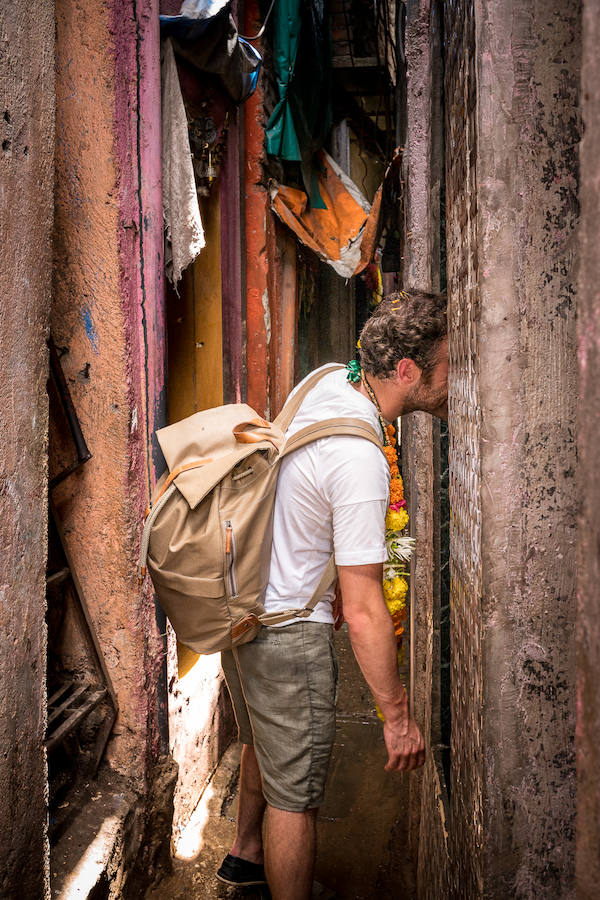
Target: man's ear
(408,372)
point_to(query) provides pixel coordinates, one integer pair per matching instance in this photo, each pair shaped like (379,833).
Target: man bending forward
(332,496)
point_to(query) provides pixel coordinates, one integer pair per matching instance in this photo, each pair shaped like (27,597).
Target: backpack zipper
(230,559)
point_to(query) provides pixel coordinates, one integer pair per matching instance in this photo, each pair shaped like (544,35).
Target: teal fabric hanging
(281,133)
(301,120)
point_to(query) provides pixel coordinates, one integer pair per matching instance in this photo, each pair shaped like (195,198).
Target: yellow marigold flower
(396,520)
(394,591)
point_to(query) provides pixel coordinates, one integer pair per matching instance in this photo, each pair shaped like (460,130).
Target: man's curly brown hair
(405,325)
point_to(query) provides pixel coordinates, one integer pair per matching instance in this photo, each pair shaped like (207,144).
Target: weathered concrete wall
(107,316)
(26,174)
(588,609)
(511,97)
(528,124)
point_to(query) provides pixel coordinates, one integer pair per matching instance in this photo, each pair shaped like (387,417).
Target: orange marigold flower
(396,491)
(390,454)
(394,471)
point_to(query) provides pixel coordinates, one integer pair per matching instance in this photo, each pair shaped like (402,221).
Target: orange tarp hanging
(334,233)
(346,233)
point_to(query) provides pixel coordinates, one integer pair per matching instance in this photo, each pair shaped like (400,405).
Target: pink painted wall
(108,315)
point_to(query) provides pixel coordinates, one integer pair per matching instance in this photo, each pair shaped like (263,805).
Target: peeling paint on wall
(265,303)
(90,329)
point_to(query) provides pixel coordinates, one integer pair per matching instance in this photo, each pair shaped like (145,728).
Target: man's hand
(405,745)
(374,644)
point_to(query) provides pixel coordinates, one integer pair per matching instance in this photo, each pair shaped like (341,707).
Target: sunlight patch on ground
(191,839)
(89,869)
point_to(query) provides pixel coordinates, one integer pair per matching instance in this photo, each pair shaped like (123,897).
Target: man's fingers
(406,762)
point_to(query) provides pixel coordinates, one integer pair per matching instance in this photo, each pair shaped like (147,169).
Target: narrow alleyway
(361,829)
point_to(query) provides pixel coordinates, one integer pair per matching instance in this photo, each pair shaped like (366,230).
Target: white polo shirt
(332,496)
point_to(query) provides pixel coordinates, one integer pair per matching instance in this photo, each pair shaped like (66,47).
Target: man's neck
(387,397)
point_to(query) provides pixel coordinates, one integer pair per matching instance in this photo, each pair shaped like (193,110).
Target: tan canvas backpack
(206,541)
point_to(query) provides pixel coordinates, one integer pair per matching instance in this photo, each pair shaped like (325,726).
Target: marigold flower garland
(399,546)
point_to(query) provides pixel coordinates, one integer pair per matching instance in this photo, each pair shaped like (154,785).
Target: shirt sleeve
(356,485)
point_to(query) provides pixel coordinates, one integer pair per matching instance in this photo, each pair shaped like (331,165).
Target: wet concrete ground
(362,851)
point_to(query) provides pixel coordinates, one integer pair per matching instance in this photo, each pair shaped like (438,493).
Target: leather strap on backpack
(285,615)
(293,404)
(329,428)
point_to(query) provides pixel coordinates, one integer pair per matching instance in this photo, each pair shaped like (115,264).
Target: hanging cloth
(205,35)
(282,140)
(184,234)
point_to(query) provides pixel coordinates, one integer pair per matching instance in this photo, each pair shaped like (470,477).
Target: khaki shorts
(283,687)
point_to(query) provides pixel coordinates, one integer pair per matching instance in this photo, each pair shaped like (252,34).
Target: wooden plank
(67,703)
(59,693)
(355,62)
(208,308)
(289,339)
(90,703)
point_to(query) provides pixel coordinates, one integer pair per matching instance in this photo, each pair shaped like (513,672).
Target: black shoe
(241,872)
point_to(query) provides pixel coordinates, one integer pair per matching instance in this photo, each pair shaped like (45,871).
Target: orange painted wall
(96,320)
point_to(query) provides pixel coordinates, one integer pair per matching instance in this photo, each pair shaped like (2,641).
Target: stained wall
(529,128)
(26,201)
(466,833)
(588,605)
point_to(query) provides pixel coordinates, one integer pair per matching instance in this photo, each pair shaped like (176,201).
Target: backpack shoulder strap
(328,428)
(292,404)
(285,615)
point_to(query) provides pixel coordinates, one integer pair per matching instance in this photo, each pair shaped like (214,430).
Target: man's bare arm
(374,644)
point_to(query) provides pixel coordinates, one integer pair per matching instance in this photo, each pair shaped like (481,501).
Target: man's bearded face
(430,394)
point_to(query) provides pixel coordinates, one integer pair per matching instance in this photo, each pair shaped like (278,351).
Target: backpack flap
(210,435)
